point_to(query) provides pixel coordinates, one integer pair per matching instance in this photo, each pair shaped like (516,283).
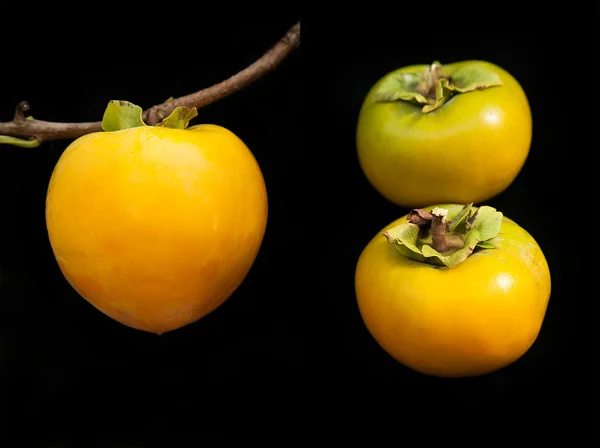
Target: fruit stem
(431,237)
(436,221)
(438,230)
(428,86)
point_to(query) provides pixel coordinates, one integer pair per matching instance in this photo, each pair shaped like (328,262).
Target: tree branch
(36,131)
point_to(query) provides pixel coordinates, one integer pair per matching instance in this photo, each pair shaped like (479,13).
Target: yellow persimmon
(469,309)
(156,226)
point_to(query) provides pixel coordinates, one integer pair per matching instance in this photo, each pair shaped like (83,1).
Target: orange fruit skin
(156,227)
(473,319)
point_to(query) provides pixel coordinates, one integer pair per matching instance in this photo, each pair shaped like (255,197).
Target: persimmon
(455,133)
(156,226)
(453,291)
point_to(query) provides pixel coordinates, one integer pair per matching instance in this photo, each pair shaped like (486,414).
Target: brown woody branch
(43,131)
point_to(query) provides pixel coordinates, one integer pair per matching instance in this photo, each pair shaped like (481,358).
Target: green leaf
(454,259)
(487,221)
(485,245)
(474,77)
(418,87)
(402,86)
(459,218)
(21,142)
(405,234)
(463,80)
(469,229)
(442,94)
(179,118)
(404,238)
(121,115)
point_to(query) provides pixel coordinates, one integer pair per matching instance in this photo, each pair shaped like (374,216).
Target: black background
(287,357)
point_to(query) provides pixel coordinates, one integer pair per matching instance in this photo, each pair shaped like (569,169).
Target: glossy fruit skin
(470,320)
(156,227)
(469,150)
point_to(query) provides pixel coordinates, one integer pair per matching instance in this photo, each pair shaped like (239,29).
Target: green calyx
(431,88)
(121,115)
(430,237)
